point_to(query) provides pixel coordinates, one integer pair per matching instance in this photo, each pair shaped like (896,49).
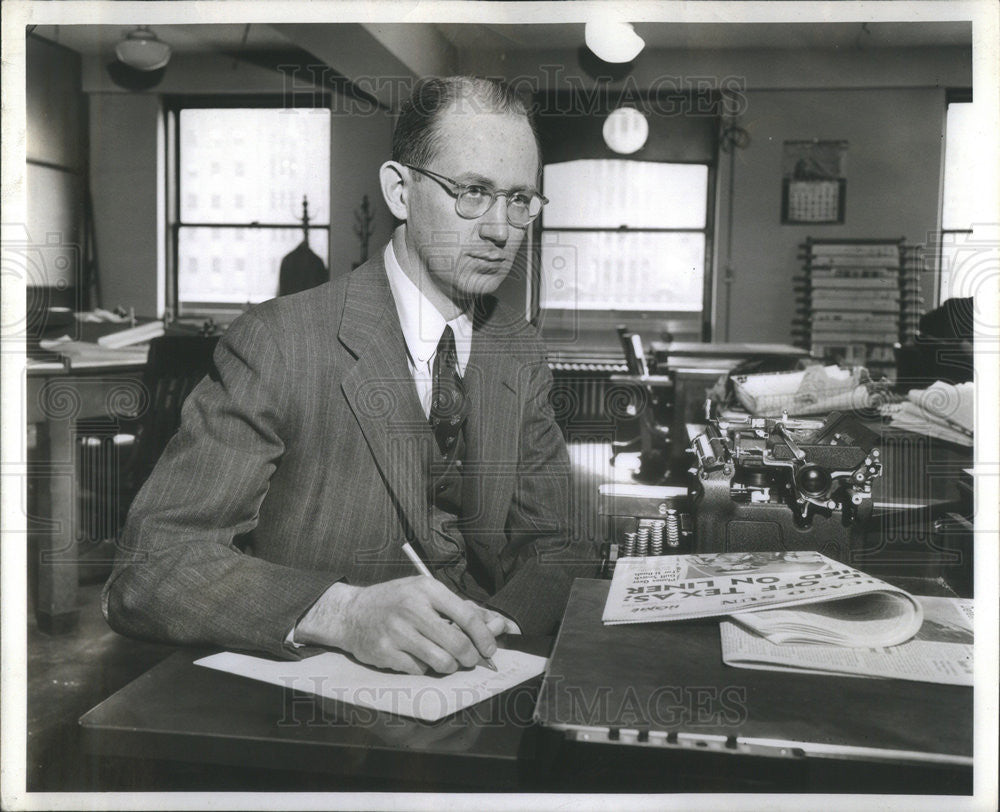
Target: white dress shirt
(423,325)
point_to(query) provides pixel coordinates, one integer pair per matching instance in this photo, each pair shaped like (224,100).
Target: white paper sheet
(428,698)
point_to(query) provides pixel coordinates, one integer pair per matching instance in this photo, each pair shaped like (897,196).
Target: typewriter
(784,484)
(759,484)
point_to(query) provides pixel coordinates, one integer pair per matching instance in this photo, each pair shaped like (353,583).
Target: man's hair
(415,140)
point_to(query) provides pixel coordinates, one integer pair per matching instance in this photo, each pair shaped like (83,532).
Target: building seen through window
(241,177)
(624,235)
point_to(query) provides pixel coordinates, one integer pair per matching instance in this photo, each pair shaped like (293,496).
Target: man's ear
(395,182)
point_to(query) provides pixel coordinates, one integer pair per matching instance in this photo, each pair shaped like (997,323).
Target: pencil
(422,569)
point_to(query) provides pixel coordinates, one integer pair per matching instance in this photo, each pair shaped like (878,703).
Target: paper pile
(814,390)
(134,335)
(943,410)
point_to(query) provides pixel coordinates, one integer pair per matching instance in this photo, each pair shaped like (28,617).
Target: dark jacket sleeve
(179,576)
(544,551)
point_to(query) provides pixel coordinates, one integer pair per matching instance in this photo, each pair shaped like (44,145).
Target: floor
(71,673)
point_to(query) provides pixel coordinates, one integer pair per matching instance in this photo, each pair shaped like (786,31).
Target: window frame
(590,321)
(952,96)
(173,105)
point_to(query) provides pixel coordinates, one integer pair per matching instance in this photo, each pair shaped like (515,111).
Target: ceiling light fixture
(613,41)
(142,50)
(625,130)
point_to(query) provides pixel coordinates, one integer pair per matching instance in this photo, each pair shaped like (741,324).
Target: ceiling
(101,39)
(719,35)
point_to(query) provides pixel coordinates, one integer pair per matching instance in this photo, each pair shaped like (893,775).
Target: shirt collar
(421,321)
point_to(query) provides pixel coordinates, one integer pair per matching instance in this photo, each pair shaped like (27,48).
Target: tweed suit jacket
(302,460)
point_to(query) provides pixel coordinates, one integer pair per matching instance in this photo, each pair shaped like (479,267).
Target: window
(624,240)
(959,197)
(624,235)
(241,175)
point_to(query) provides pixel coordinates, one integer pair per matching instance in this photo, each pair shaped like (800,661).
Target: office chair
(114,466)
(176,364)
(941,350)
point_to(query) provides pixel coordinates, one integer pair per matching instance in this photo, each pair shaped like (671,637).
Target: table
(651,692)
(178,711)
(61,402)
(718,355)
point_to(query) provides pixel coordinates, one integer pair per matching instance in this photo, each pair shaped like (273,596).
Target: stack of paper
(943,410)
(134,335)
(814,390)
(941,651)
(83,354)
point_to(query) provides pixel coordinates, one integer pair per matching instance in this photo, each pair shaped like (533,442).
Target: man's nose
(493,225)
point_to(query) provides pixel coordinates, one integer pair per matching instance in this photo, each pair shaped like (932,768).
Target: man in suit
(398,404)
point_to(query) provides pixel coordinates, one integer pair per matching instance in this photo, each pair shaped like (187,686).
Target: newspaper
(941,651)
(837,604)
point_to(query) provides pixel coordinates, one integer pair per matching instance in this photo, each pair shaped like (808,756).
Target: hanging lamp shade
(143,50)
(613,41)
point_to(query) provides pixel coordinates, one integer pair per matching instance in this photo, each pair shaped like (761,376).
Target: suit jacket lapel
(380,391)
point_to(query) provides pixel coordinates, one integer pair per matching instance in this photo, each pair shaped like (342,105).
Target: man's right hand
(402,625)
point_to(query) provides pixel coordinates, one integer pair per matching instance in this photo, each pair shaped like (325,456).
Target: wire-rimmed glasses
(473,200)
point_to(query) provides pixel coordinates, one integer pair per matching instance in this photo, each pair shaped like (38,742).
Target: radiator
(100,451)
(582,393)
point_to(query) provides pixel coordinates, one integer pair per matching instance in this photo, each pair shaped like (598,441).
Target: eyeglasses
(473,200)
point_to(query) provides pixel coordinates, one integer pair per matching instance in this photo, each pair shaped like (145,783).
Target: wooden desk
(650,692)
(59,403)
(196,721)
(180,712)
(721,356)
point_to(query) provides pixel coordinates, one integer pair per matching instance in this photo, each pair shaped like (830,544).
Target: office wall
(126,172)
(55,107)
(56,148)
(359,145)
(887,103)
(893,171)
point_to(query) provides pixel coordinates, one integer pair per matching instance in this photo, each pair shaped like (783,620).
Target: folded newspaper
(786,597)
(941,651)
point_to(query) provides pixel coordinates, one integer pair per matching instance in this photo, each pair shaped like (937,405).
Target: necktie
(447,395)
